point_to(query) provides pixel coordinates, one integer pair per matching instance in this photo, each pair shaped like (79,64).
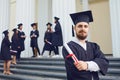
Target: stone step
(42,59)
(21,74)
(111,59)
(114,65)
(60,59)
(38,67)
(38,73)
(51,69)
(56,63)
(61,63)
(56,68)
(114,59)
(109,77)
(112,71)
(23,77)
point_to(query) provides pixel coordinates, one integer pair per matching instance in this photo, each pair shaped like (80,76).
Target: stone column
(44,16)
(85,5)
(115,26)
(4,16)
(62,9)
(25,13)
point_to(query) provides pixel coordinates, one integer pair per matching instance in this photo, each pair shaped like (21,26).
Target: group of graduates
(53,39)
(13,48)
(11,51)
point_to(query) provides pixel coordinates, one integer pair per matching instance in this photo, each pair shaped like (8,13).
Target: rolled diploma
(71,54)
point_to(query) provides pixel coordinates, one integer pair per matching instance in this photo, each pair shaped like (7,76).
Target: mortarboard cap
(48,24)
(14,30)
(33,24)
(5,32)
(85,16)
(19,25)
(56,18)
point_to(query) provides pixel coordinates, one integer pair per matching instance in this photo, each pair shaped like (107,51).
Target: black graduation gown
(93,53)
(57,39)
(5,49)
(33,42)
(21,40)
(48,37)
(15,43)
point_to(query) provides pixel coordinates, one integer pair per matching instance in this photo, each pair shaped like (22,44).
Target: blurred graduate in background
(57,38)
(48,46)
(34,34)
(21,37)
(15,46)
(5,53)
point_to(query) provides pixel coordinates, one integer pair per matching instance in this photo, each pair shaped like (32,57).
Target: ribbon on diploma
(71,54)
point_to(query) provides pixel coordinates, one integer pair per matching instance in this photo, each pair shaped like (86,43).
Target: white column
(115,26)
(4,16)
(62,9)
(85,5)
(44,16)
(25,13)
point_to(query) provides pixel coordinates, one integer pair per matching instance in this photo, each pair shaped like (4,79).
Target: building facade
(105,30)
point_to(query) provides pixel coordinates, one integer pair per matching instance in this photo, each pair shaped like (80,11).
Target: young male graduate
(91,58)
(5,53)
(57,39)
(21,37)
(34,34)
(47,39)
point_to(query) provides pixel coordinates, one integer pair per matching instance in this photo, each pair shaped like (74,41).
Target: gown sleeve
(37,33)
(100,59)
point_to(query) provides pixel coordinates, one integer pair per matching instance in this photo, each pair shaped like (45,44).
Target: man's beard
(81,37)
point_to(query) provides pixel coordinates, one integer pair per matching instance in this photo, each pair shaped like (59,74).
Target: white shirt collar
(20,30)
(33,30)
(80,43)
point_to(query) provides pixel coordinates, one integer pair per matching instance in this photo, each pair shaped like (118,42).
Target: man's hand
(81,65)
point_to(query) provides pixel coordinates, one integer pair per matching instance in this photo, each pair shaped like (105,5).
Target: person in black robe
(57,39)
(5,53)
(21,37)
(47,39)
(15,46)
(34,34)
(91,59)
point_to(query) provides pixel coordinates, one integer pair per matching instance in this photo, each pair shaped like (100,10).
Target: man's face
(81,30)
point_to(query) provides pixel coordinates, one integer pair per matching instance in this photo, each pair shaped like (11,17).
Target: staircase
(51,69)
